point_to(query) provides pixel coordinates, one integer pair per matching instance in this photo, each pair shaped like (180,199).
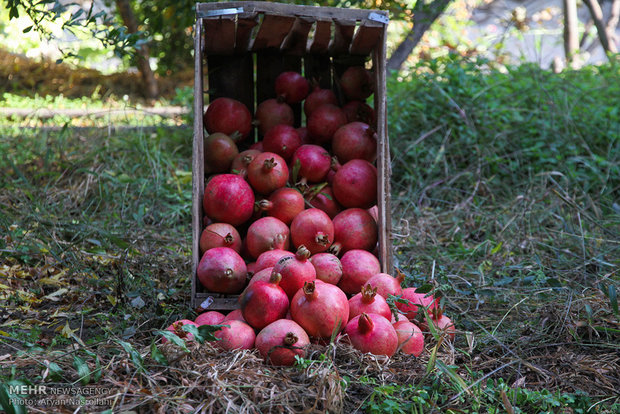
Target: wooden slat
(220,35)
(269,64)
(272,32)
(322,37)
(295,42)
(197,157)
(232,77)
(245,23)
(220,302)
(318,68)
(343,34)
(366,38)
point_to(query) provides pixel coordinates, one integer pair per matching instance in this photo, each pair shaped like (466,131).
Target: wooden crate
(244,46)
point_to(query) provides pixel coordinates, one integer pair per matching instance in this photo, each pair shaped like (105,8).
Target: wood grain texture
(272,32)
(366,38)
(220,35)
(295,42)
(322,37)
(246,22)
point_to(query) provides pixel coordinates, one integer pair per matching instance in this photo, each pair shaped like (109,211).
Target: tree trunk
(606,37)
(129,19)
(571,35)
(424,14)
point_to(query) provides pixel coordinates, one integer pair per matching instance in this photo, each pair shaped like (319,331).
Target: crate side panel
(343,34)
(367,36)
(246,23)
(322,37)
(272,32)
(219,35)
(295,42)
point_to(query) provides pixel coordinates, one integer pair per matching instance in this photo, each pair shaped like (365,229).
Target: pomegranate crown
(310,290)
(368,293)
(365,324)
(275,278)
(290,339)
(302,253)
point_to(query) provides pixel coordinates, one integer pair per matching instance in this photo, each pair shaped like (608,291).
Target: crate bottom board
(215,301)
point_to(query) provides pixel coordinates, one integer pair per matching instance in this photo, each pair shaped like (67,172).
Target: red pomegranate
(357,267)
(228,116)
(359,111)
(263,275)
(386,285)
(282,140)
(410,338)
(267,172)
(314,229)
(399,317)
(416,300)
(258,146)
(242,161)
(283,204)
(355,140)
(304,135)
(220,235)
(372,333)
(222,270)
(228,199)
(235,315)
(357,83)
(355,184)
(322,197)
(354,228)
(295,271)
(314,162)
(328,267)
(219,152)
(445,326)
(177,329)
(251,268)
(324,122)
(320,308)
(264,302)
(368,301)
(319,97)
(292,87)
(237,335)
(273,112)
(279,342)
(267,233)
(209,318)
(270,258)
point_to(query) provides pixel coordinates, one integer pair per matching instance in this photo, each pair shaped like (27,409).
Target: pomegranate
(295,271)
(357,267)
(322,197)
(292,87)
(270,258)
(399,317)
(304,135)
(372,333)
(263,275)
(258,146)
(386,285)
(177,329)
(374,212)
(324,122)
(282,140)
(267,233)
(251,269)
(279,342)
(219,152)
(228,116)
(410,338)
(320,308)
(357,83)
(222,270)
(319,97)
(242,161)
(444,325)
(267,172)
(228,199)
(220,235)
(235,315)
(416,300)
(283,204)
(359,111)
(314,162)
(355,140)
(355,184)
(328,267)
(314,229)
(237,335)
(368,301)
(209,318)
(273,112)
(354,228)
(264,302)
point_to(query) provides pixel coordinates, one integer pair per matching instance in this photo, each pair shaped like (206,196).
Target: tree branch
(597,15)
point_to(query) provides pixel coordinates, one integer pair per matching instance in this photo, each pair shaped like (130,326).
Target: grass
(505,201)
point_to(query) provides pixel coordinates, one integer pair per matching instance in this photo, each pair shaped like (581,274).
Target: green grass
(505,201)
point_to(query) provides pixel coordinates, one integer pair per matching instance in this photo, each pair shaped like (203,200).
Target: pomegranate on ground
(228,199)
(416,300)
(410,338)
(284,204)
(295,271)
(264,302)
(368,301)
(282,140)
(355,140)
(270,258)
(219,152)
(220,235)
(177,329)
(319,97)
(222,270)
(357,83)
(292,87)
(372,333)
(324,122)
(314,163)
(237,335)
(445,325)
(359,111)
(323,199)
(355,184)
(313,229)
(209,318)
(354,228)
(267,233)
(228,116)
(273,112)
(279,342)
(328,267)
(267,172)
(386,284)
(320,308)
(357,267)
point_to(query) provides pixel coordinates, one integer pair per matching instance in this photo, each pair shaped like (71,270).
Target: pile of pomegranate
(291,226)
